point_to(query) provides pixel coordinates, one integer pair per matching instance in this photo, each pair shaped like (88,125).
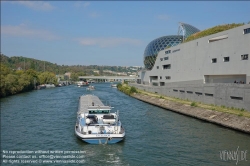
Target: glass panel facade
(186,30)
(246,31)
(157,45)
(161,43)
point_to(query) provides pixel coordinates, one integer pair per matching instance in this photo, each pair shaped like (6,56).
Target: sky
(113,33)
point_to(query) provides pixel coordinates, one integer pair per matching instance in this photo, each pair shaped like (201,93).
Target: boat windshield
(99,111)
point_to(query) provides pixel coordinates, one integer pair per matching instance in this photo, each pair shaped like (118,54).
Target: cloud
(163,17)
(108,42)
(94,15)
(23,30)
(35,5)
(84,5)
(81,4)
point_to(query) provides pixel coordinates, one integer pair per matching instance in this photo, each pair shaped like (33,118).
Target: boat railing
(122,130)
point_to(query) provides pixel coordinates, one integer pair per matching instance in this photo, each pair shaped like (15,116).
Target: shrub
(119,85)
(133,90)
(242,109)
(193,104)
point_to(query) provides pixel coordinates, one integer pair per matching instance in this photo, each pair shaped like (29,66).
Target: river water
(45,119)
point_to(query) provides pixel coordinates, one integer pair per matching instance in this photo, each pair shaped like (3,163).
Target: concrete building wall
(229,95)
(194,59)
(192,70)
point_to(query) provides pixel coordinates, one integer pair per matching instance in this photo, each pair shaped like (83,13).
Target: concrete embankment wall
(229,95)
(232,121)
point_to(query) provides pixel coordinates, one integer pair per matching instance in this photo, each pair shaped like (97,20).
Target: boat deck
(90,102)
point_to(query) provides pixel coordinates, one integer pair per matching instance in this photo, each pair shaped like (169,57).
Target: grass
(213,30)
(232,110)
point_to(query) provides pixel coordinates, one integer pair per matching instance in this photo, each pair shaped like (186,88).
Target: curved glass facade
(152,49)
(186,30)
(157,45)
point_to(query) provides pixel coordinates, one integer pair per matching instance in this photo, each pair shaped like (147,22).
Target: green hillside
(21,74)
(24,63)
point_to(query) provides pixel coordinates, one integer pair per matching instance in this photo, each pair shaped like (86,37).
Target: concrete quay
(228,120)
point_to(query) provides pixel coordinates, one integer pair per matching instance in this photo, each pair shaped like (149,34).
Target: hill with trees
(21,74)
(24,63)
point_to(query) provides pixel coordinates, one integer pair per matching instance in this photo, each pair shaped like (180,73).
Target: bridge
(108,78)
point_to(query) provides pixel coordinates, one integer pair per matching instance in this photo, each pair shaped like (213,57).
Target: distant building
(96,71)
(67,75)
(122,74)
(107,71)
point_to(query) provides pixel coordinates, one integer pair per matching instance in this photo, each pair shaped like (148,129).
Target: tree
(81,74)
(25,82)
(4,69)
(2,86)
(74,77)
(47,78)
(11,84)
(32,73)
(32,65)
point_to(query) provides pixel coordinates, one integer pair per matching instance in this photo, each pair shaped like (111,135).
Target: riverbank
(238,121)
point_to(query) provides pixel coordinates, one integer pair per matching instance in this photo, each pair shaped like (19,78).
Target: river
(45,119)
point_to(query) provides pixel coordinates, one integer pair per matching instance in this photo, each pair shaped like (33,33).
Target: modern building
(214,69)
(159,44)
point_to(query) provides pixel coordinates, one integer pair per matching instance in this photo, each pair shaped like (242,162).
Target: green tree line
(24,63)
(17,81)
(21,74)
